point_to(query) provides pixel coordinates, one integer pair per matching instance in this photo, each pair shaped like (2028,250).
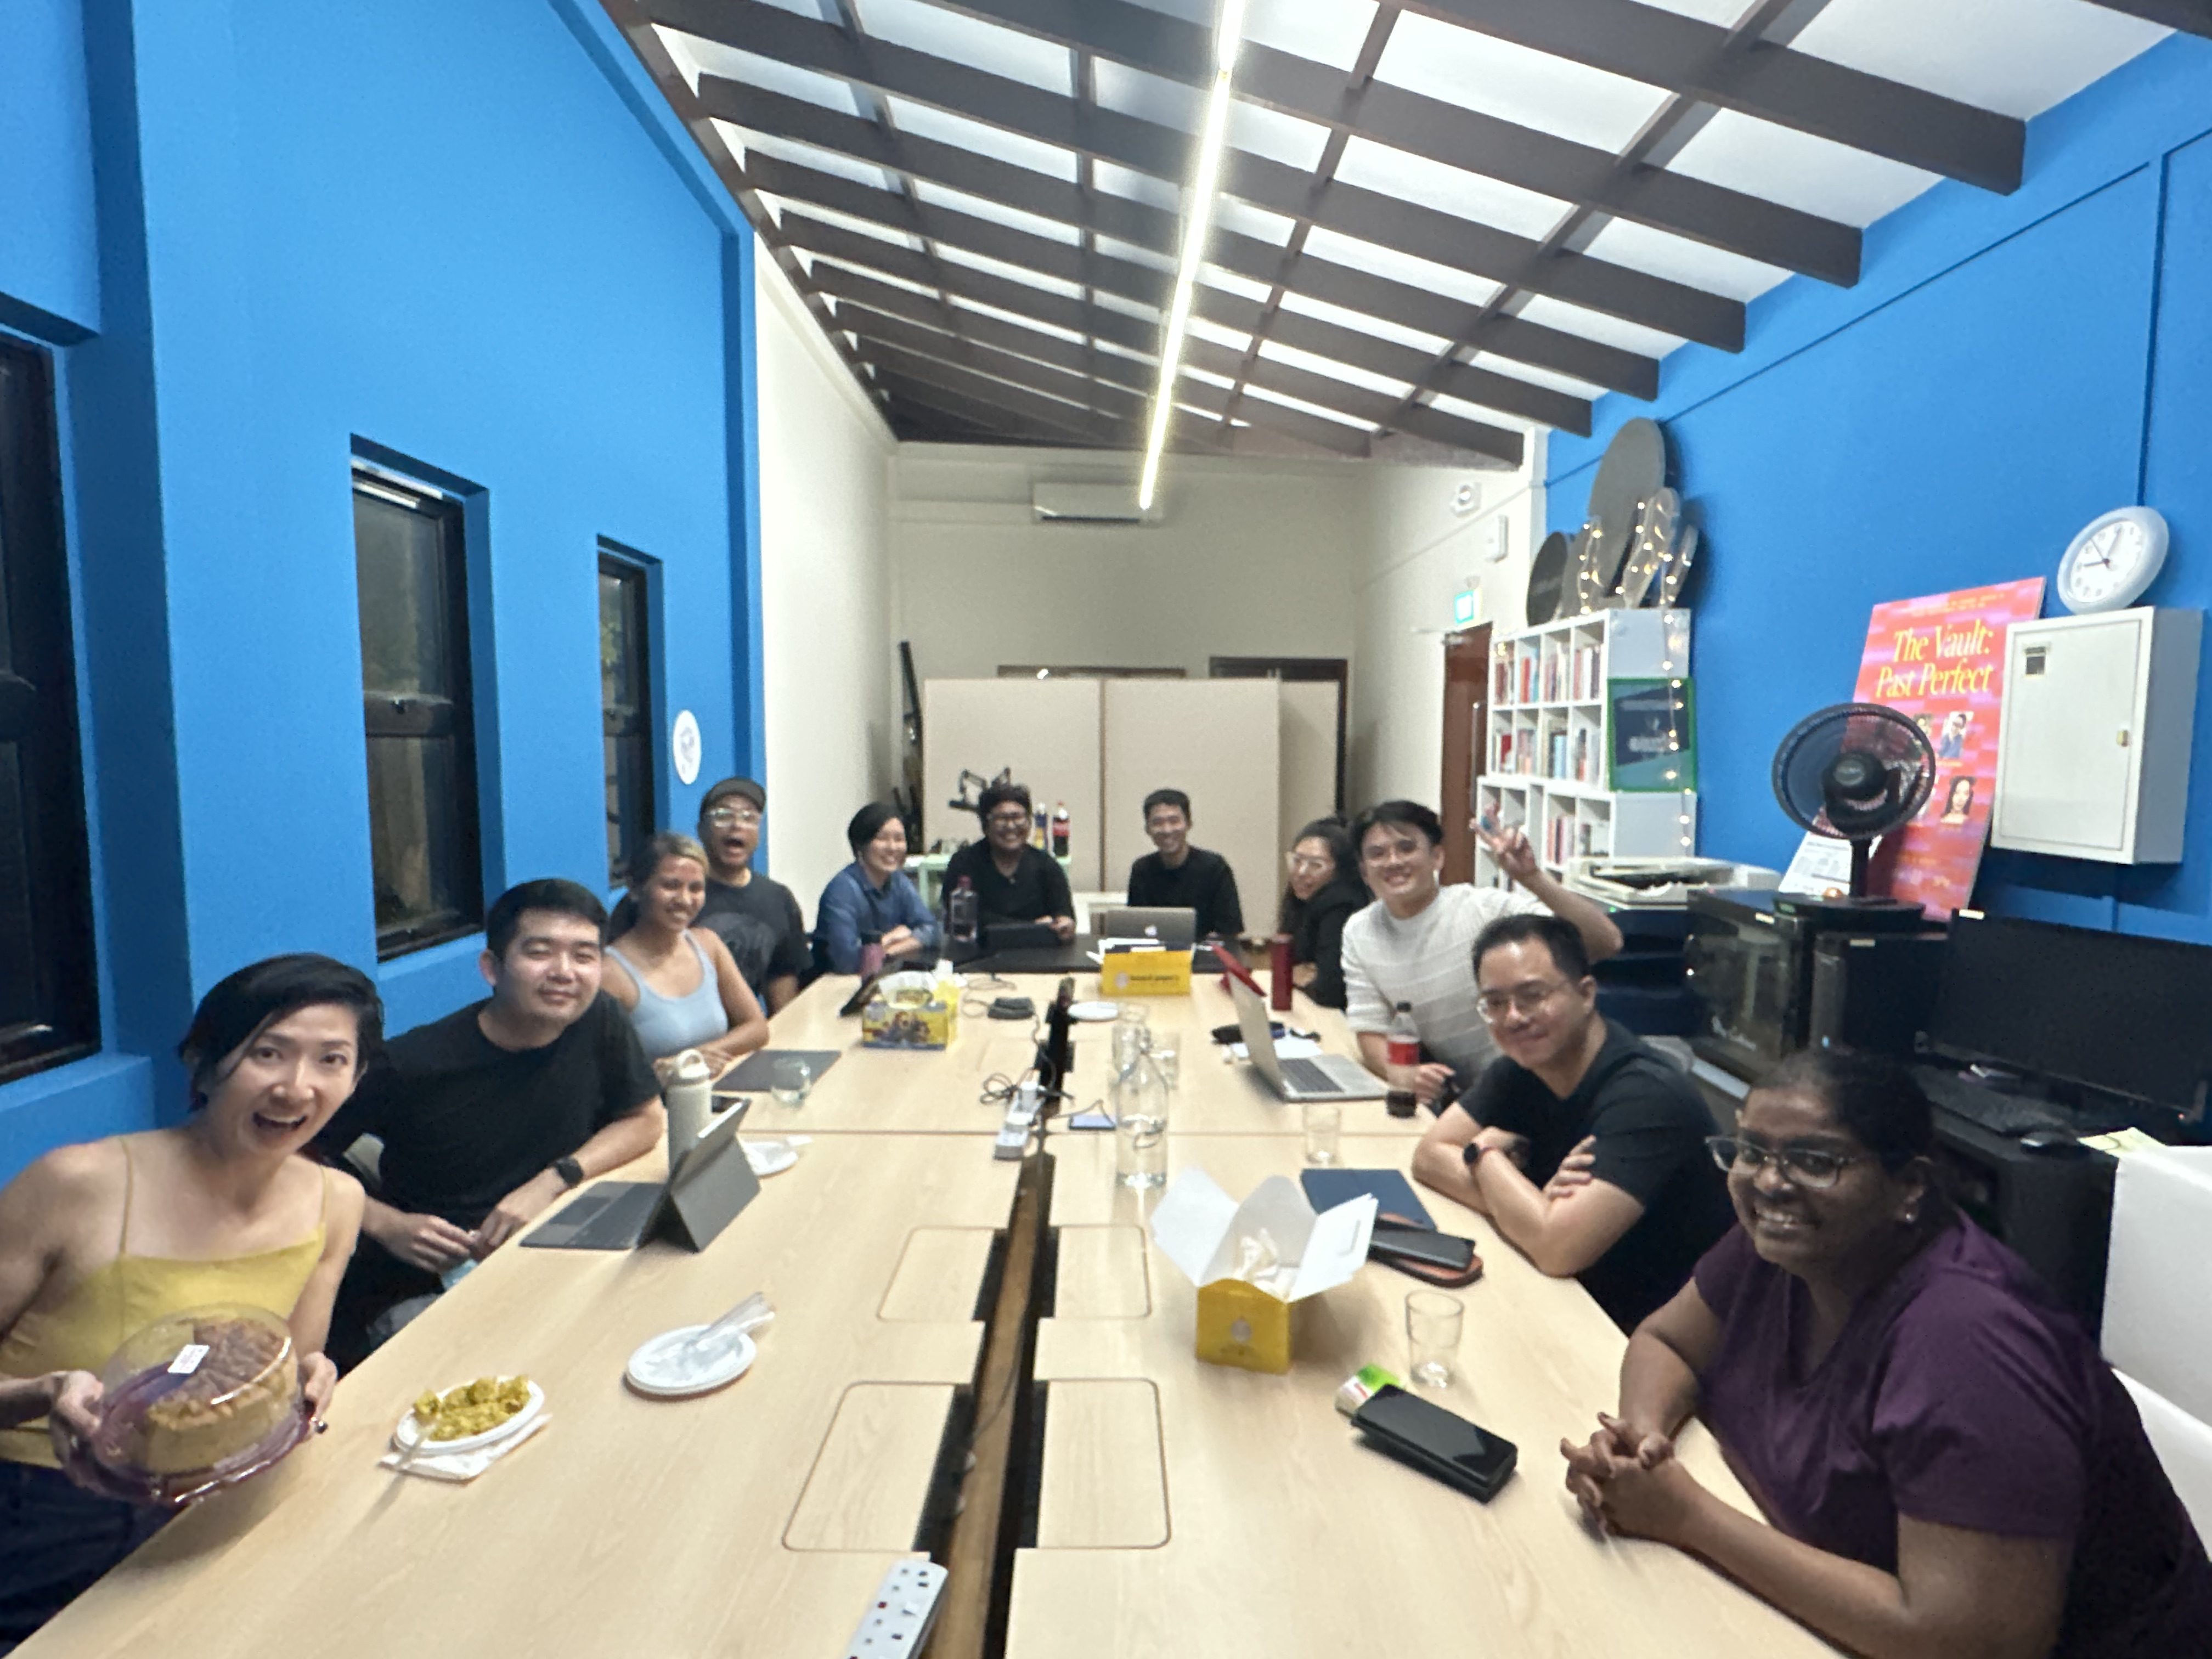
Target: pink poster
(1940,661)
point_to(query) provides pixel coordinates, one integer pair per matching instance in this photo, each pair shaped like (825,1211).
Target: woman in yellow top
(99,1240)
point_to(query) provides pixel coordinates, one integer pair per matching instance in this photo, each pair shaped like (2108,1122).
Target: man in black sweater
(1181,876)
(1012,880)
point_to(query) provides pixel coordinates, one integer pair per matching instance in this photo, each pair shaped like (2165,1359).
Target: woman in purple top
(1948,1465)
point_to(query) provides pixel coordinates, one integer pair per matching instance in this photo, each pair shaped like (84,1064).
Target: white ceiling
(991,361)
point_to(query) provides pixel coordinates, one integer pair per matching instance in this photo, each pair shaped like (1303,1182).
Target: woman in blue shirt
(872,894)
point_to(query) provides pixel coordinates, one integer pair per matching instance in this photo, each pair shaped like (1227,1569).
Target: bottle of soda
(960,913)
(1402,1051)
(1060,826)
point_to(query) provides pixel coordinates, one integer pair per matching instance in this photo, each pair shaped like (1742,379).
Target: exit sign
(1463,608)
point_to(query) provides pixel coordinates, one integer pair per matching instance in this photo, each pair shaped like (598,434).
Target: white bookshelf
(1546,769)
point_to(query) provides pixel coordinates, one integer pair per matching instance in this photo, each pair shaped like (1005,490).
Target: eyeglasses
(1300,864)
(1010,820)
(723,817)
(1525,1000)
(1381,855)
(1807,1166)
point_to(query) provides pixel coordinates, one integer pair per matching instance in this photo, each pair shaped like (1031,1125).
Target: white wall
(828,655)
(1416,554)
(1253,556)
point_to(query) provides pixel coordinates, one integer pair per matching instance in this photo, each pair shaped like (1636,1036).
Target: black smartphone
(1390,1242)
(1437,1442)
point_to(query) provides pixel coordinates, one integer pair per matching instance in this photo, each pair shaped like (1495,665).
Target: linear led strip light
(1228,36)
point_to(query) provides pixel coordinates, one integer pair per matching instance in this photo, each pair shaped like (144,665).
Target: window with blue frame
(49,987)
(626,709)
(419,715)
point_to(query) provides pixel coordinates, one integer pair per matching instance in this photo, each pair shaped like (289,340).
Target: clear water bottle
(1140,1095)
(1402,1044)
(1132,1036)
(960,913)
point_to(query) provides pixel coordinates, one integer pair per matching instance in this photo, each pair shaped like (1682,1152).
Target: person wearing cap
(756,915)
(872,894)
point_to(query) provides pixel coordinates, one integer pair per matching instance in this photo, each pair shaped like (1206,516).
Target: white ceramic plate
(1094,1013)
(656,1369)
(408,1434)
(770,1157)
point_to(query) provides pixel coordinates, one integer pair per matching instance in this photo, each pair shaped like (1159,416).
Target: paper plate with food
(469,1415)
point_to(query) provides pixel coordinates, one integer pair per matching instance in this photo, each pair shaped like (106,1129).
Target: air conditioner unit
(1088,503)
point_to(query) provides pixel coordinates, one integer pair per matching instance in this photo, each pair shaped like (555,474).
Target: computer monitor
(2117,1012)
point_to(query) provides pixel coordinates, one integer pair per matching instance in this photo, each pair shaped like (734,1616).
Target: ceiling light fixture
(1197,218)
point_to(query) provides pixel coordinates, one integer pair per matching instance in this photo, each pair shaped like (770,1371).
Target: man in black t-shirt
(1012,880)
(757,917)
(490,1115)
(1181,876)
(1640,1198)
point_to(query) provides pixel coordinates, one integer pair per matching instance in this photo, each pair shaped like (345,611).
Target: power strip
(902,1612)
(1021,1117)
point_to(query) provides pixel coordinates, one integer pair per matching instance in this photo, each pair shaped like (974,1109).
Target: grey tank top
(668,1026)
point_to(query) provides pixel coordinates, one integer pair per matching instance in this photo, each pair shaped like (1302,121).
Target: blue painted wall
(264,238)
(2008,368)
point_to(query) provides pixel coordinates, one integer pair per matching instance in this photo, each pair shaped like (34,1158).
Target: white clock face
(2114,561)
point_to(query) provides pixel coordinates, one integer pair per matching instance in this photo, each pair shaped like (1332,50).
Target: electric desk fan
(1856,771)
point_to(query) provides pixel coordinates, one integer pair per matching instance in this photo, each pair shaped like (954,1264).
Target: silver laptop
(1324,1077)
(1171,925)
(707,1184)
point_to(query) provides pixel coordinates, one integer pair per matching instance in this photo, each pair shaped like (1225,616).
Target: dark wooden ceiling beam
(1070,263)
(1118,387)
(980,412)
(2190,17)
(1051,117)
(1038,409)
(1141,226)
(853,288)
(1775,84)
(1579,174)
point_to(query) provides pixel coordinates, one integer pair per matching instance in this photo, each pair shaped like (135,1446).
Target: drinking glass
(1164,1059)
(1323,1121)
(1140,1150)
(1432,1323)
(792,1082)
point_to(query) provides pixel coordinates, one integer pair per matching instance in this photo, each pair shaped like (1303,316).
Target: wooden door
(1466,736)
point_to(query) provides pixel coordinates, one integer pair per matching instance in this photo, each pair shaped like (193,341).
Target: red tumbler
(1278,974)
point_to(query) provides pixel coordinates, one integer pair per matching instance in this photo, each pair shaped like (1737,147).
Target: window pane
(412,785)
(19,983)
(614,641)
(403,597)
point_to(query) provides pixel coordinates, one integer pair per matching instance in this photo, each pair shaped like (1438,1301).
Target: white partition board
(1309,755)
(1046,730)
(1220,742)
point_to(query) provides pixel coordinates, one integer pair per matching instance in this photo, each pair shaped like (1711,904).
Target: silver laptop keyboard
(1307,1077)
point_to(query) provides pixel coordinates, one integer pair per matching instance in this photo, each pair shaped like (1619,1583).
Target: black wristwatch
(570,1172)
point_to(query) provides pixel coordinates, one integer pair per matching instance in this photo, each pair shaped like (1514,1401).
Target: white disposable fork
(749,1314)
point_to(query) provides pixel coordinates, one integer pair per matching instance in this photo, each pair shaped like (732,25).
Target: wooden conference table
(1180,1509)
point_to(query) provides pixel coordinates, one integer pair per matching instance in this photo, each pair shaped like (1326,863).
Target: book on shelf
(1555,756)
(1582,757)
(1501,679)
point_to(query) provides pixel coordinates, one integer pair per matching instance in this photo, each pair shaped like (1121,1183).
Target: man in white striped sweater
(1415,944)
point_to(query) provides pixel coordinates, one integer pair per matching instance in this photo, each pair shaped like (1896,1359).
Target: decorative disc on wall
(1547,578)
(1634,467)
(683,747)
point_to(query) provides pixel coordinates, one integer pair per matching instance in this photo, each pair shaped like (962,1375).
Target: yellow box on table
(1255,1262)
(912,1009)
(1145,973)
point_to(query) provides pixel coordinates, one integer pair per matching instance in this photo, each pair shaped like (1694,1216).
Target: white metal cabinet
(2092,755)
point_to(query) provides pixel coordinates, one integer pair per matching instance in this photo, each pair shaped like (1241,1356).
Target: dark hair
(240,1007)
(867,824)
(1569,954)
(998,794)
(1174,798)
(1399,815)
(551,893)
(1874,1098)
(1330,832)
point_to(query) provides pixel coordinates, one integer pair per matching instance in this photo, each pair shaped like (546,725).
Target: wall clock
(2112,561)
